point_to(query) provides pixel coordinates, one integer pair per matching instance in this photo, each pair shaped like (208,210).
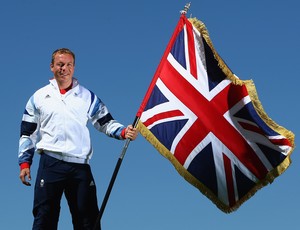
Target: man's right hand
(23,174)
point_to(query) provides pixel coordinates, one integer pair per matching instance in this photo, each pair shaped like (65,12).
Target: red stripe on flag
(161,116)
(191,47)
(254,128)
(281,142)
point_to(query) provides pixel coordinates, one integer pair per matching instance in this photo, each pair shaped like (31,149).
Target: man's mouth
(63,74)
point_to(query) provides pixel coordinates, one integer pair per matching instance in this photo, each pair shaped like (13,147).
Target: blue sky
(118,46)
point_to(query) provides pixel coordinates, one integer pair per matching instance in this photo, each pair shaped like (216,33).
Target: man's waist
(65,157)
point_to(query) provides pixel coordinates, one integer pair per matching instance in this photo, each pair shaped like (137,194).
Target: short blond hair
(62,51)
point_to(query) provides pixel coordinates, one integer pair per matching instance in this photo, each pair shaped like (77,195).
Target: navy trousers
(56,177)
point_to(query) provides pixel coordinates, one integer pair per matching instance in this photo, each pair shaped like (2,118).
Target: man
(54,125)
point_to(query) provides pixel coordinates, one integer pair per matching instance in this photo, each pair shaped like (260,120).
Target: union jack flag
(209,123)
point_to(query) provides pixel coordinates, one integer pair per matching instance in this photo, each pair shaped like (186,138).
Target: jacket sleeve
(28,133)
(102,120)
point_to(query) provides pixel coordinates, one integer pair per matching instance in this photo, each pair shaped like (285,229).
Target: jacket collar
(74,89)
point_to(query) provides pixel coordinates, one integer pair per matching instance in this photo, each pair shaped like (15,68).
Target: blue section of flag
(178,51)
(214,73)
(156,98)
(248,112)
(202,166)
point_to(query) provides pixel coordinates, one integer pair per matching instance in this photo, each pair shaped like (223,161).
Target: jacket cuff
(123,133)
(24,165)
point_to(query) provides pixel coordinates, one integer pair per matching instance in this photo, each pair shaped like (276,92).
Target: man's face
(63,69)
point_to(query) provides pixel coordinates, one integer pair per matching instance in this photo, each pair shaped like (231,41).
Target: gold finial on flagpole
(186,8)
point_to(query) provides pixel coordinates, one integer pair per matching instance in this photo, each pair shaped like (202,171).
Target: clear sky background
(119,45)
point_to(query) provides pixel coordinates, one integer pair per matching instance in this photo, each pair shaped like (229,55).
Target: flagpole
(113,178)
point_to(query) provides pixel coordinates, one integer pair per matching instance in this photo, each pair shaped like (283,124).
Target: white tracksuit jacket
(56,124)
